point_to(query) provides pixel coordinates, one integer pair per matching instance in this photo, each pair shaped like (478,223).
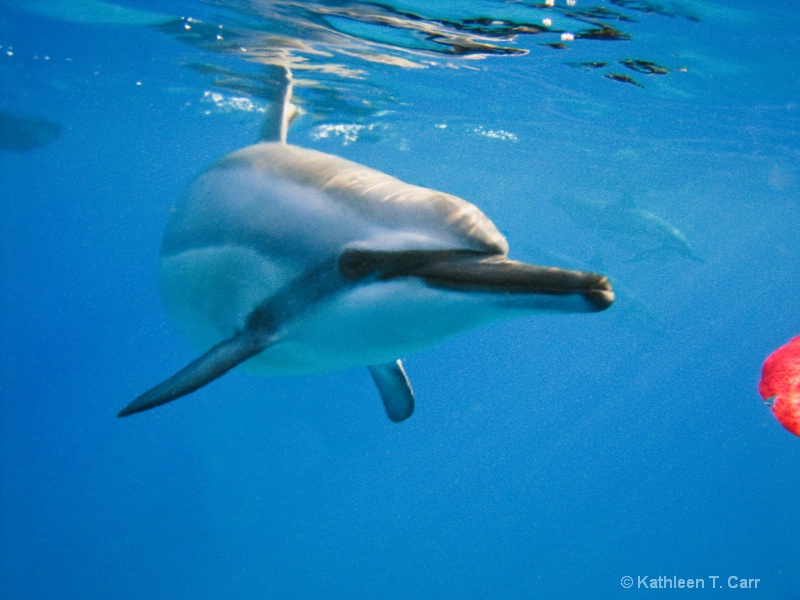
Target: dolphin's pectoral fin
(395,389)
(216,362)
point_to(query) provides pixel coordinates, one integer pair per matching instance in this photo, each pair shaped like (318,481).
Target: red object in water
(780,384)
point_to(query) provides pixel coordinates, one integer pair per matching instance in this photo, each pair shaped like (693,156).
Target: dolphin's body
(290,261)
(643,233)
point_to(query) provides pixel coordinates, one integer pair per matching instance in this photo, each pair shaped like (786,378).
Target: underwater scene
(350,299)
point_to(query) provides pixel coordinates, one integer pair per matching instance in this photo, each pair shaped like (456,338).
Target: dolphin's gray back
(379,199)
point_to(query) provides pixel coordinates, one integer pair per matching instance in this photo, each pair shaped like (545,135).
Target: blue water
(548,457)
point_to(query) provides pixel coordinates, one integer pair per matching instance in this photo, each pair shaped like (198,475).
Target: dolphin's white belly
(371,324)
(209,293)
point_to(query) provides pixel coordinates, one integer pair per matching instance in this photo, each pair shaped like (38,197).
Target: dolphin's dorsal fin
(280,110)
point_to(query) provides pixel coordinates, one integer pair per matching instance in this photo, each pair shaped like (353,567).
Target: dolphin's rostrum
(290,261)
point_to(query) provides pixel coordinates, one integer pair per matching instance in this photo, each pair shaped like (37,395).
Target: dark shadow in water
(673,10)
(23,134)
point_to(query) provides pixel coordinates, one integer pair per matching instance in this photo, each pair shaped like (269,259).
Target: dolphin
(640,231)
(289,261)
